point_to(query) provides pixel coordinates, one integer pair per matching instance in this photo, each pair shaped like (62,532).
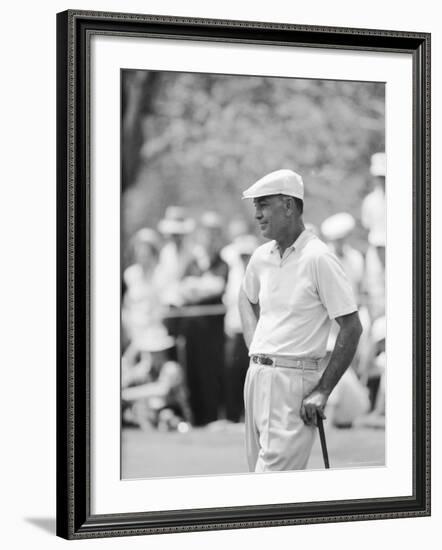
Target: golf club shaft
(323,442)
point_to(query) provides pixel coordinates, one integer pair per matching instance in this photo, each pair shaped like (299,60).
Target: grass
(219,449)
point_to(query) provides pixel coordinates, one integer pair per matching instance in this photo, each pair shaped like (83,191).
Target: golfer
(293,288)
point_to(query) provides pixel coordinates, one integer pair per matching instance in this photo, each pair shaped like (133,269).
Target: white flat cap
(378,165)
(281,182)
(337,226)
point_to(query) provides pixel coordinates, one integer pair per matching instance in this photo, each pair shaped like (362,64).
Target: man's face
(272,215)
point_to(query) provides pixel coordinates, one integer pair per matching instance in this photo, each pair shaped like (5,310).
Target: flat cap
(280,182)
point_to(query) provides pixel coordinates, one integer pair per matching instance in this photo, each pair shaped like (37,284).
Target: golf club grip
(323,442)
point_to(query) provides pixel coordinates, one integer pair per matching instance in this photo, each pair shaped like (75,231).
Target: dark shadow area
(47,524)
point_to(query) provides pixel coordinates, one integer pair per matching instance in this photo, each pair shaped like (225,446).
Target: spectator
(348,401)
(203,287)
(236,229)
(142,307)
(373,206)
(374,220)
(336,231)
(154,392)
(176,254)
(374,375)
(237,357)
(374,278)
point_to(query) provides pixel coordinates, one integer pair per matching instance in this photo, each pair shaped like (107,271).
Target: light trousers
(276,437)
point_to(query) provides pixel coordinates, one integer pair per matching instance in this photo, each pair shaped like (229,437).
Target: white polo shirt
(299,296)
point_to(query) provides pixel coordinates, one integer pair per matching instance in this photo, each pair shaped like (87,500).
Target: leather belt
(288,362)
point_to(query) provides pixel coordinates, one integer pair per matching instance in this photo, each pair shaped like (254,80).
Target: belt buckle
(262,360)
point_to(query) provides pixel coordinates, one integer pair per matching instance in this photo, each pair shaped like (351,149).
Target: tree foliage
(198,140)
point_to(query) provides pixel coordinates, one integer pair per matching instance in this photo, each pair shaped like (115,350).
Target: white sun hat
(280,182)
(337,226)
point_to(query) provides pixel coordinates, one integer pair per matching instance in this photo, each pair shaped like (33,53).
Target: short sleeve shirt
(299,295)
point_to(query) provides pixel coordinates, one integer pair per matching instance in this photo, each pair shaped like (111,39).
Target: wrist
(324,389)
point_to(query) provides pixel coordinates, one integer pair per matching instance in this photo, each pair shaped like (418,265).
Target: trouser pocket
(310,379)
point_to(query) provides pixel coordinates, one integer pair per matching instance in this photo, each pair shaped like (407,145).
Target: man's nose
(258,214)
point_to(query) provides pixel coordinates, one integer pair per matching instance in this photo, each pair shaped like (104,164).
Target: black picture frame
(74,518)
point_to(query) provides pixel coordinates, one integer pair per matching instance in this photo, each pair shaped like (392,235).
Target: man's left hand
(312,406)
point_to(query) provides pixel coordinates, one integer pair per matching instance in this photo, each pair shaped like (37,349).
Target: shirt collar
(297,243)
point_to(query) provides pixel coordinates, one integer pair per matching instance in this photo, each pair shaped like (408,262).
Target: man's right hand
(313,405)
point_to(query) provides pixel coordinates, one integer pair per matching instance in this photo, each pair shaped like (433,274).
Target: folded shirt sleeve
(333,286)
(250,282)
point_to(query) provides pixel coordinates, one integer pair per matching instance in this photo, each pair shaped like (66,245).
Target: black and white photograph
(253,261)
(222,247)
(243,274)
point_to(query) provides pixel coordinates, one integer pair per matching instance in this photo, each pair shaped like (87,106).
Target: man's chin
(265,232)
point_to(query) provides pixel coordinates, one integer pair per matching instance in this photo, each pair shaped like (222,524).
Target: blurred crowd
(184,359)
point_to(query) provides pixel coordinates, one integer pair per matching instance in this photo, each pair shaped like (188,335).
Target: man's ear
(289,205)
